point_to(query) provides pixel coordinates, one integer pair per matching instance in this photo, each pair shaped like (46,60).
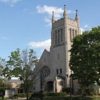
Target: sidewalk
(18,99)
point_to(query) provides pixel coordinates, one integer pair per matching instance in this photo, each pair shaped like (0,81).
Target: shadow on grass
(68,98)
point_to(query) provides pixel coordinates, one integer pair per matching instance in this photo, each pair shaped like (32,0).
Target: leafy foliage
(21,64)
(4,84)
(85,57)
(2,66)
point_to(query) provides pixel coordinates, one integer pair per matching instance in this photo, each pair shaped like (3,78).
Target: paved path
(18,99)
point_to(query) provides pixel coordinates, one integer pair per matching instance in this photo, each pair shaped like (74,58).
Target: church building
(53,70)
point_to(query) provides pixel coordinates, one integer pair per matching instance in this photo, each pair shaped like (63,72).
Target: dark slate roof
(61,77)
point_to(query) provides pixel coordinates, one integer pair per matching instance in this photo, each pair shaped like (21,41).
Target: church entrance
(50,86)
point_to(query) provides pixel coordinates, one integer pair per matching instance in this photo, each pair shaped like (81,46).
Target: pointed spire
(65,11)
(53,17)
(76,17)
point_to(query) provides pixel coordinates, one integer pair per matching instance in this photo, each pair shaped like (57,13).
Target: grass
(4,98)
(74,98)
(67,98)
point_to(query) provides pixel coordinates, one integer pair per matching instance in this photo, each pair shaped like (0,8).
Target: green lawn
(68,98)
(1,98)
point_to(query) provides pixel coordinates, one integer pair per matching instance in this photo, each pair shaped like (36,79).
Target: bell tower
(62,32)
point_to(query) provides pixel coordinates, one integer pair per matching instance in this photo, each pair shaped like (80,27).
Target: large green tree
(21,64)
(85,57)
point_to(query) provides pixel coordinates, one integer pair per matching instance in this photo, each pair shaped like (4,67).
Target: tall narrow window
(58,37)
(57,71)
(55,37)
(70,34)
(73,33)
(33,88)
(60,70)
(61,35)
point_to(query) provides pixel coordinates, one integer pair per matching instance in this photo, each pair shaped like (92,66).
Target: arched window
(61,35)
(55,37)
(70,34)
(45,71)
(58,37)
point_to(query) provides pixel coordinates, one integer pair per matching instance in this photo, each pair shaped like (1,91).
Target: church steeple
(76,17)
(77,20)
(65,12)
(53,17)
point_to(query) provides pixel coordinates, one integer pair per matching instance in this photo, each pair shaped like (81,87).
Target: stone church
(53,70)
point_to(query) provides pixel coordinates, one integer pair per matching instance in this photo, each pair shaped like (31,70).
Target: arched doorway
(50,86)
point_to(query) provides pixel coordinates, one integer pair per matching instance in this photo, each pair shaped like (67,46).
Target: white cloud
(82,30)
(12,2)
(48,21)
(71,12)
(4,1)
(42,45)
(87,27)
(48,10)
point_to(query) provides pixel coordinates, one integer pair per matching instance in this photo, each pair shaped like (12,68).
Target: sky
(26,24)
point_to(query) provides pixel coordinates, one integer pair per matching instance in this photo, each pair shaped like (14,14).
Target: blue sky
(27,23)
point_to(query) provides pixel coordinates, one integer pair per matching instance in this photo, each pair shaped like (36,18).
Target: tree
(85,57)
(4,84)
(2,65)
(21,64)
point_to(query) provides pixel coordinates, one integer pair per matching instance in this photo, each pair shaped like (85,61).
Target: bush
(37,94)
(87,91)
(15,96)
(21,95)
(47,94)
(55,94)
(67,90)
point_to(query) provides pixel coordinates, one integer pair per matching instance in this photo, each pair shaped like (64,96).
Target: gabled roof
(45,52)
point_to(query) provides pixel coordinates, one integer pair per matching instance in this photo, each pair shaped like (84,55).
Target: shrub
(67,90)
(47,94)
(55,94)
(36,95)
(21,95)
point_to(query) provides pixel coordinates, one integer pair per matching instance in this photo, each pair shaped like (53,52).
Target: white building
(53,70)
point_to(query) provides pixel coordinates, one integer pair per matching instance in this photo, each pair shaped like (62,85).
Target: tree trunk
(26,94)
(26,91)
